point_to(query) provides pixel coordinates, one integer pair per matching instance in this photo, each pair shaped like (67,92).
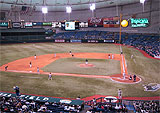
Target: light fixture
(92,6)
(44,10)
(68,9)
(142,1)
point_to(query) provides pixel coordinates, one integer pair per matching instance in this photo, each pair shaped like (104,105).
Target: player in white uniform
(35,56)
(50,76)
(120,95)
(112,56)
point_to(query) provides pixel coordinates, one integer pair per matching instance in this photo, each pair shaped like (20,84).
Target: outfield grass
(71,65)
(71,87)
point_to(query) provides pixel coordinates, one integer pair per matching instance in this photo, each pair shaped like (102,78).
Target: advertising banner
(140,22)
(83,24)
(47,24)
(95,22)
(92,41)
(3,24)
(75,41)
(16,24)
(56,24)
(109,41)
(111,22)
(37,23)
(28,24)
(59,40)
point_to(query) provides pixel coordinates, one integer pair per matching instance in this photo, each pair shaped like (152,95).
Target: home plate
(30,71)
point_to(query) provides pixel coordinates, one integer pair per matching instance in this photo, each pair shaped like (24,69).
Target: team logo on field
(151,87)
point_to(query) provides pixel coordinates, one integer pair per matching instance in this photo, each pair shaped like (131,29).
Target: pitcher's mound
(86,65)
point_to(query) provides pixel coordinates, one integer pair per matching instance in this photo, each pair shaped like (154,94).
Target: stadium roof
(59,5)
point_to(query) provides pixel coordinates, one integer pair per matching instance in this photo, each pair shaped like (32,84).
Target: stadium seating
(146,106)
(17,105)
(126,106)
(147,43)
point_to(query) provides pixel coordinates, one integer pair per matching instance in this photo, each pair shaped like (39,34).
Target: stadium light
(142,1)
(44,10)
(68,9)
(92,6)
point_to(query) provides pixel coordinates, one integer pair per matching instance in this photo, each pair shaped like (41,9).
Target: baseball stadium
(79,56)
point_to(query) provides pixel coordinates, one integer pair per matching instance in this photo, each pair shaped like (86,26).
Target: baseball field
(73,86)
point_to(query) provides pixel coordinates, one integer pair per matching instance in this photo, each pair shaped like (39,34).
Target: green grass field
(71,65)
(71,87)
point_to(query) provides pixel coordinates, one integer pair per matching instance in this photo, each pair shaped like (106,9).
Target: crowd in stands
(147,43)
(147,106)
(126,106)
(107,108)
(19,105)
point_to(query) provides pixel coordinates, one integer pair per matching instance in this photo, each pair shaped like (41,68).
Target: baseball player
(120,94)
(86,61)
(134,78)
(109,56)
(16,88)
(112,56)
(50,76)
(55,55)
(38,70)
(70,52)
(30,64)
(35,56)
(6,67)
(124,75)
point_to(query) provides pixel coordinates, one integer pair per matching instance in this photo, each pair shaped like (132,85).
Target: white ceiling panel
(59,5)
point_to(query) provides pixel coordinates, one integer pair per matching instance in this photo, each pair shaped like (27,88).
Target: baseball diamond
(43,60)
(79,56)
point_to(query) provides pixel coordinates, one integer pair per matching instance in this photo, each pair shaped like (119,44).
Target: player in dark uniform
(109,56)
(30,64)
(70,52)
(134,78)
(86,61)
(120,95)
(6,67)
(16,88)
(130,78)
(38,70)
